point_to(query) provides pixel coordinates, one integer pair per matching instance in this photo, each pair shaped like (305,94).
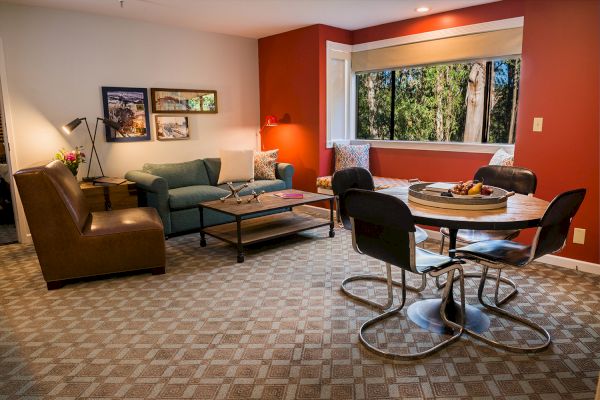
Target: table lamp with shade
(71,126)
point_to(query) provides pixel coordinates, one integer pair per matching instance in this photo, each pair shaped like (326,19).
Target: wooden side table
(110,197)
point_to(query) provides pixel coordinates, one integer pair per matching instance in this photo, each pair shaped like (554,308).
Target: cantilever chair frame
(366,176)
(457,328)
(529,187)
(534,253)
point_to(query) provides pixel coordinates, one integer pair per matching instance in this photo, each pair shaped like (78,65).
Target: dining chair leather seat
(383,228)
(499,251)
(550,237)
(472,235)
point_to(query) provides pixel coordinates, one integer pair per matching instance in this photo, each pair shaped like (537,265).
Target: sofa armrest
(153,191)
(285,171)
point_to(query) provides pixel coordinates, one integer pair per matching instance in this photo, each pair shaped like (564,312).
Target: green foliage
(430,102)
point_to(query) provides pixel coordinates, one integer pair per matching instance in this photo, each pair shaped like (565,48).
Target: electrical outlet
(579,236)
(537,124)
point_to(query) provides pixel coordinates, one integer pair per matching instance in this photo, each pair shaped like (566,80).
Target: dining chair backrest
(382,227)
(514,179)
(350,178)
(552,233)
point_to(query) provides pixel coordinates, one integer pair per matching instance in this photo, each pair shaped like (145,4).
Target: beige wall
(57,62)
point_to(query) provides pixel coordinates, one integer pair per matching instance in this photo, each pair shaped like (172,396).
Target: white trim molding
(508,23)
(490,148)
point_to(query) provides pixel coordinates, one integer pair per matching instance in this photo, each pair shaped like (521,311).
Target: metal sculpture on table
(256,196)
(235,192)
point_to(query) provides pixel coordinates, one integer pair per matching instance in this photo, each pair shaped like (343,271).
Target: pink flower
(71,157)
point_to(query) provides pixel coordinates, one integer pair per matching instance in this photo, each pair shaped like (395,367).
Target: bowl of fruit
(471,188)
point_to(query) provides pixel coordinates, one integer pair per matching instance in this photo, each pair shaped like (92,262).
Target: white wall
(57,61)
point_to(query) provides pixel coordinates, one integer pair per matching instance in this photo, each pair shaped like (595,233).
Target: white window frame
(340,52)
(336,50)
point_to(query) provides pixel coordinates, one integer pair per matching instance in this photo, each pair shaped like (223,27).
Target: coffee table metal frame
(260,228)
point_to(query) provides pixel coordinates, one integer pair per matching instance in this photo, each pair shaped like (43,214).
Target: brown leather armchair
(72,242)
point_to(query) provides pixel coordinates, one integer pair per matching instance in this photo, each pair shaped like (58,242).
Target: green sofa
(176,189)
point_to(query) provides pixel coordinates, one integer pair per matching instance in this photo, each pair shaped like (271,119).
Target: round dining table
(521,212)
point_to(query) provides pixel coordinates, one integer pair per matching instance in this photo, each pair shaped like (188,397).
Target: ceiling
(257,18)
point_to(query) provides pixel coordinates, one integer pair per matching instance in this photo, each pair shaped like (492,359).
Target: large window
(470,102)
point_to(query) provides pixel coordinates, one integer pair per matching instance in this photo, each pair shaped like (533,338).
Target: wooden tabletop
(268,202)
(521,212)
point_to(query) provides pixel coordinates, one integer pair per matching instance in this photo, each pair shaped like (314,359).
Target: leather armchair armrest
(285,171)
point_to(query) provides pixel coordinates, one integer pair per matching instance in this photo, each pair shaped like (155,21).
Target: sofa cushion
(180,174)
(213,168)
(236,165)
(189,196)
(266,185)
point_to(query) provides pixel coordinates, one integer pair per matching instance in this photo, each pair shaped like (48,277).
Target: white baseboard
(570,263)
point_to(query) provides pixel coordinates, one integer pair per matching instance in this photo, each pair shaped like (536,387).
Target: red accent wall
(560,82)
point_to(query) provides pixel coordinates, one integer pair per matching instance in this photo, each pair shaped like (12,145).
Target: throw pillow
(501,157)
(264,164)
(351,155)
(236,166)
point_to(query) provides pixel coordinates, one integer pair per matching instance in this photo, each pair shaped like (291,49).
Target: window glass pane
(448,102)
(503,101)
(430,102)
(373,93)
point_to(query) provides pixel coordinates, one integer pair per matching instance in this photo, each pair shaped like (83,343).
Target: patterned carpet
(8,233)
(275,327)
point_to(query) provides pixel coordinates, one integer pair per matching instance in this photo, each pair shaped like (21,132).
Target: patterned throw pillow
(264,164)
(501,157)
(351,155)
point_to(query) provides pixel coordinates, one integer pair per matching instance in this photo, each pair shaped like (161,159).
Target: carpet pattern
(275,327)
(8,234)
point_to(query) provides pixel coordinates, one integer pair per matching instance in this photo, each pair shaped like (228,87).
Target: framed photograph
(184,101)
(172,127)
(129,108)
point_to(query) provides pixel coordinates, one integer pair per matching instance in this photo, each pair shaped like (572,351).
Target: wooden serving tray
(497,199)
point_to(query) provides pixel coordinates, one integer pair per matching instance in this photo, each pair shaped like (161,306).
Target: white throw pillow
(236,166)
(501,157)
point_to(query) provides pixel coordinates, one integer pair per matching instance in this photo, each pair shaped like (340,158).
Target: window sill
(438,146)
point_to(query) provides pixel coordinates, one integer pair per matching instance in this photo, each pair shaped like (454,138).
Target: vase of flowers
(71,159)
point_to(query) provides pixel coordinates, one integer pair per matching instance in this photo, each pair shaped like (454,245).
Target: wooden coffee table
(250,228)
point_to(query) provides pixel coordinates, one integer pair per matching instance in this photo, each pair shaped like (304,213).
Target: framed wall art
(184,101)
(129,108)
(172,127)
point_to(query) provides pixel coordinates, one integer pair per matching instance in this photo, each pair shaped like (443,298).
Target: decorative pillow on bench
(351,155)
(264,164)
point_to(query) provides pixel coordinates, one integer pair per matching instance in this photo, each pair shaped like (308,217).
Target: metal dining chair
(550,238)
(515,179)
(361,178)
(383,228)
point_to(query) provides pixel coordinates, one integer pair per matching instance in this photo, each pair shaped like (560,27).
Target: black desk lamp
(71,126)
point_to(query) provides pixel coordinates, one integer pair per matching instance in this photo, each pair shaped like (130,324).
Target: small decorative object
(128,108)
(71,159)
(351,155)
(264,164)
(172,127)
(235,192)
(184,101)
(256,196)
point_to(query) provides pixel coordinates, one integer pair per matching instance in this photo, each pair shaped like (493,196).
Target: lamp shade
(271,120)
(70,127)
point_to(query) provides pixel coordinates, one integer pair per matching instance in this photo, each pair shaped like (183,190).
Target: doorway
(8,230)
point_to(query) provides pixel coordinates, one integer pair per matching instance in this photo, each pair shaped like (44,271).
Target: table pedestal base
(426,314)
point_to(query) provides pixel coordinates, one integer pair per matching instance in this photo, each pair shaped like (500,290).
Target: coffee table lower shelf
(255,230)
